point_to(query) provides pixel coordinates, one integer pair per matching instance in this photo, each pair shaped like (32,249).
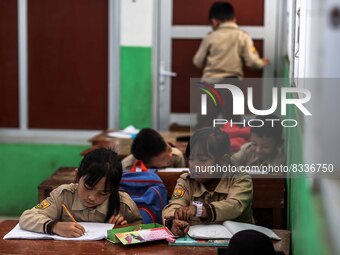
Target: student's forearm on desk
(36,222)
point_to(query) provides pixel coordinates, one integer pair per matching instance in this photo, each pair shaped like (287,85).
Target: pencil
(184,227)
(68,212)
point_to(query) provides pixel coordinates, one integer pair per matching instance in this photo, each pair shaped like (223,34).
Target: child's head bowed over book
(150,148)
(93,198)
(214,191)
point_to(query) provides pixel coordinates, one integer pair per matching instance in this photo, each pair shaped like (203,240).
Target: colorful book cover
(188,241)
(141,236)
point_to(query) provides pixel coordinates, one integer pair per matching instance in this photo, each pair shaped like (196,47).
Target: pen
(68,212)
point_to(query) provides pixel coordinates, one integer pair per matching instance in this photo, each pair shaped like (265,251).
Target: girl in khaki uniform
(209,197)
(95,198)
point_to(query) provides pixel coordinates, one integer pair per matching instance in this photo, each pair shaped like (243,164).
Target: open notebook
(226,230)
(94,231)
(128,132)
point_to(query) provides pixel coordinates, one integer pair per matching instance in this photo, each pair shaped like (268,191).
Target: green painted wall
(24,166)
(136,87)
(305,219)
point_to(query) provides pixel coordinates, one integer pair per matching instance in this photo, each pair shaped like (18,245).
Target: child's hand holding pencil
(68,229)
(180,227)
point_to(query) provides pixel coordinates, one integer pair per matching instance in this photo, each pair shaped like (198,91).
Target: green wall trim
(24,166)
(304,217)
(136,87)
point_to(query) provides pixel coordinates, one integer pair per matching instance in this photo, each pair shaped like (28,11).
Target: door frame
(164,32)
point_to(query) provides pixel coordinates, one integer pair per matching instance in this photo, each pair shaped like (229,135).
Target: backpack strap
(139,164)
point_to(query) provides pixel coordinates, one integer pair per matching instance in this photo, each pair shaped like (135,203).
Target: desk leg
(277,218)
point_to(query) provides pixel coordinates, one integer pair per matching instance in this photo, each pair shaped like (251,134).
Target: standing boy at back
(221,53)
(222,50)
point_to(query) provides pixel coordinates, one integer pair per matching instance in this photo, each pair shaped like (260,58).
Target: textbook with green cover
(139,234)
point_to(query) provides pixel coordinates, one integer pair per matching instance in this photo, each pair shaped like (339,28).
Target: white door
(180,26)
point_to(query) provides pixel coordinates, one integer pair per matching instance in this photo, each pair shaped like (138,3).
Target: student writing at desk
(150,148)
(95,198)
(205,197)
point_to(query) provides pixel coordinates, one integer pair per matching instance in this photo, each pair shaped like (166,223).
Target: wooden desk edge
(103,135)
(7,225)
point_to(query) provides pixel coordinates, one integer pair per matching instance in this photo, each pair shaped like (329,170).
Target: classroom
(78,75)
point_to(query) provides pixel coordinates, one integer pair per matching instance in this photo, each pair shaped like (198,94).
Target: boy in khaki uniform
(177,159)
(202,197)
(221,55)
(247,156)
(266,146)
(150,148)
(222,50)
(95,198)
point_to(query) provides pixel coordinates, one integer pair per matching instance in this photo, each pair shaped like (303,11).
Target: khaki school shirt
(39,217)
(177,160)
(246,156)
(222,50)
(231,199)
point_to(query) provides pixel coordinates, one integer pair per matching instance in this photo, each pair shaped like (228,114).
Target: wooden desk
(122,146)
(268,199)
(103,247)
(65,175)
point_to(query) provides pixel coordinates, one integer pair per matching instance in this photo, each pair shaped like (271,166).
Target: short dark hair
(147,144)
(257,243)
(272,129)
(222,11)
(211,142)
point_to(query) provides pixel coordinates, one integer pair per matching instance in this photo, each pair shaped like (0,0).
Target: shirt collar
(220,188)
(273,161)
(103,207)
(200,189)
(228,24)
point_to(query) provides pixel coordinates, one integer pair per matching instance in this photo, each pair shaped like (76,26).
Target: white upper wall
(136,22)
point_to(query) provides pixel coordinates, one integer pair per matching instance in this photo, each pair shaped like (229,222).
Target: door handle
(167,73)
(163,73)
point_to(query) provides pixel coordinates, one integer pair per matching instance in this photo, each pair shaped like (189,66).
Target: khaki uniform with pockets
(50,209)
(246,156)
(231,199)
(221,52)
(177,159)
